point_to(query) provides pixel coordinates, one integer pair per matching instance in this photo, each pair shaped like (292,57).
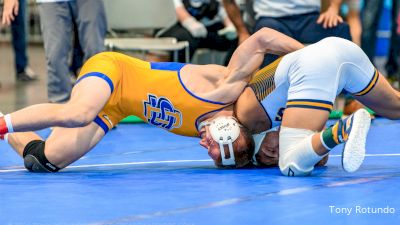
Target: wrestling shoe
(355,129)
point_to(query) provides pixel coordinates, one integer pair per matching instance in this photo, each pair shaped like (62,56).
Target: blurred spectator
(370,18)
(204,24)
(235,16)
(353,18)
(77,55)
(57,23)
(350,10)
(14,13)
(398,23)
(300,19)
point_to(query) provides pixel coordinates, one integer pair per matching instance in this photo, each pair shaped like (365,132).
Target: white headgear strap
(224,130)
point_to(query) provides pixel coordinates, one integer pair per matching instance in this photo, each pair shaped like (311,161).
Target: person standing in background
(353,18)
(398,24)
(57,24)
(14,13)
(370,19)
(235,16)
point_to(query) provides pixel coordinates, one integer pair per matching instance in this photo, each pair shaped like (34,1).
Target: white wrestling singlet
(313,76)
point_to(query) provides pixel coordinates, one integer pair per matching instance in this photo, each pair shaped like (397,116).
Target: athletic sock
(337,133)
(5,125)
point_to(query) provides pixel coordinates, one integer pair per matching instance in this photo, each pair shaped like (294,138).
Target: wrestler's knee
(76,115)
(35,159)
(291,166)
(296,155)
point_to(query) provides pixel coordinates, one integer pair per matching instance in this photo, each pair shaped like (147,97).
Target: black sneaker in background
(27,75)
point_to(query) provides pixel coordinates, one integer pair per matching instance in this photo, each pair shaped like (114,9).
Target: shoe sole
(354,149)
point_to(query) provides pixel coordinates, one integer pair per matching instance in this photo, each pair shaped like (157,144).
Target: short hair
(243,149)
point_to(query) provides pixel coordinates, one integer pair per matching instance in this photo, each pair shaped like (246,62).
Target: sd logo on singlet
(161,113)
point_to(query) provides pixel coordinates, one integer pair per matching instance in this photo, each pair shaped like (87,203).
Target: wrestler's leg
(302,145)
(64,145)
(19,140)
(88,98)
(308,119)
(311,94)
(383,99)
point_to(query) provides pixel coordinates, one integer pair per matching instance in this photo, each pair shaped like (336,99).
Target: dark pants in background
(303,28)
(58,21)
(370,19)
(18,30)
(212,41)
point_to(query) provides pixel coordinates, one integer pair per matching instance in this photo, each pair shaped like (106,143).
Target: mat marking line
(120,164)
(233,201)
(169,161)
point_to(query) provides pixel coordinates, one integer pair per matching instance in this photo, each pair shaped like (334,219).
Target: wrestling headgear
(224,130)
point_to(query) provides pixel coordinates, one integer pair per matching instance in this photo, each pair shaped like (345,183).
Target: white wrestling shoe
(357,126)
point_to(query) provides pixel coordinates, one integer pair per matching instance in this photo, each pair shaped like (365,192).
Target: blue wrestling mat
(143,175)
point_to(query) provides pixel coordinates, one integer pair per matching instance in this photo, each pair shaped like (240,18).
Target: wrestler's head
(267,148)
(229,144)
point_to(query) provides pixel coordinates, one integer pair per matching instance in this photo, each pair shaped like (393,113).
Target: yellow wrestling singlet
(152,91)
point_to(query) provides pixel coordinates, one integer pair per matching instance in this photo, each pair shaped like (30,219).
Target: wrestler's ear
(203,142)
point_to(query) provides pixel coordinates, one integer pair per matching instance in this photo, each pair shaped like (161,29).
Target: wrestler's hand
(10,11)
(330,18)
(269,150)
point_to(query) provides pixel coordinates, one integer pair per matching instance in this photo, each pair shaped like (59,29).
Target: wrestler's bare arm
(224,84)
(250,54)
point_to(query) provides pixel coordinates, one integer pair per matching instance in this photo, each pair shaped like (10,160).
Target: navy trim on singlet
(100,75)
(101,124)
(171,66)
(195,96)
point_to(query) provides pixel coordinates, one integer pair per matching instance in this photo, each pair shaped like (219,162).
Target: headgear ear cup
(225,130)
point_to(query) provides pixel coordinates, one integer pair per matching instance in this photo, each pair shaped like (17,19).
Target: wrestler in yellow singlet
(152,91)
